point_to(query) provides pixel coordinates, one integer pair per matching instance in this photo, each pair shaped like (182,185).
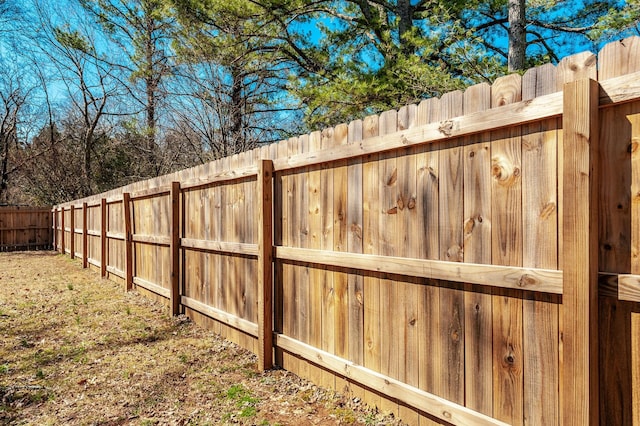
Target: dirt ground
(76,350)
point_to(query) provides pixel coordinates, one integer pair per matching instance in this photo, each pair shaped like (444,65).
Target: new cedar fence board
(440,261)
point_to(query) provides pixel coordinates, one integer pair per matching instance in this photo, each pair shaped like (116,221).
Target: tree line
(95,94)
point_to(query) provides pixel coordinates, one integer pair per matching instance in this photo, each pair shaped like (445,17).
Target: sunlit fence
(469,260)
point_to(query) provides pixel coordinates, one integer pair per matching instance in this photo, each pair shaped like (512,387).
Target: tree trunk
(236,111)
(405,23)
(517,35)
(4,175)
(151,88)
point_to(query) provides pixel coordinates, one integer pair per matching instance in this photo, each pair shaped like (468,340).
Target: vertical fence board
(540,242)
(265,273)
(618,240)
(355,222)
(103,237)
(371,206)
(407,290)
(326,284)
(128,244)
(477,249)
(174,248)
(451,332)
(426,227)
(340,321)
(72,233)
(303,239)
(388,227)
(85,249)
(580,294)
(506,230)
(312,296)
(281,238)
(55,229)
(291,238)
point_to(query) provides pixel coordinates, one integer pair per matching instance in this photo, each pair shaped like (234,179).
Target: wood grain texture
(354,245)
(290,237)
(507,277)
(311,295)
(265,252)
(388,229)
(580,297)
(427,222)
(477,249)
(451,214)
(327,287)
(449,412)
(548,106)
(540,313)
(407,290)
(540,245)
(506,230)
(371,294)
(340,318)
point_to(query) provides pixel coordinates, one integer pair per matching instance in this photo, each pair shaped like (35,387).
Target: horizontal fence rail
(469,260)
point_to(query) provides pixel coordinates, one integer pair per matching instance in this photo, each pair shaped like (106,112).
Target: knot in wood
(469,224)
(446,128)
(527,280)
(400,203)
(510,359)
(504,171)
(412,203)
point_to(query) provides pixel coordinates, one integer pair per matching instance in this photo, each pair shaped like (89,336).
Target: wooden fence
(471,260)
(25,228)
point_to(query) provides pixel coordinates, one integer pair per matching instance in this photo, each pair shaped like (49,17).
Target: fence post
(85,239)
(175,248)
(265,265)
(580,402)
(72,239)
(103,237)
(62,231)
(55,229)
(128,242)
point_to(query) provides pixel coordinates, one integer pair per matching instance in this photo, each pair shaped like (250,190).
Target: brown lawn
(76,350)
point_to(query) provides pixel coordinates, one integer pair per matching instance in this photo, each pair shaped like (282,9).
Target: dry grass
(74,349)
